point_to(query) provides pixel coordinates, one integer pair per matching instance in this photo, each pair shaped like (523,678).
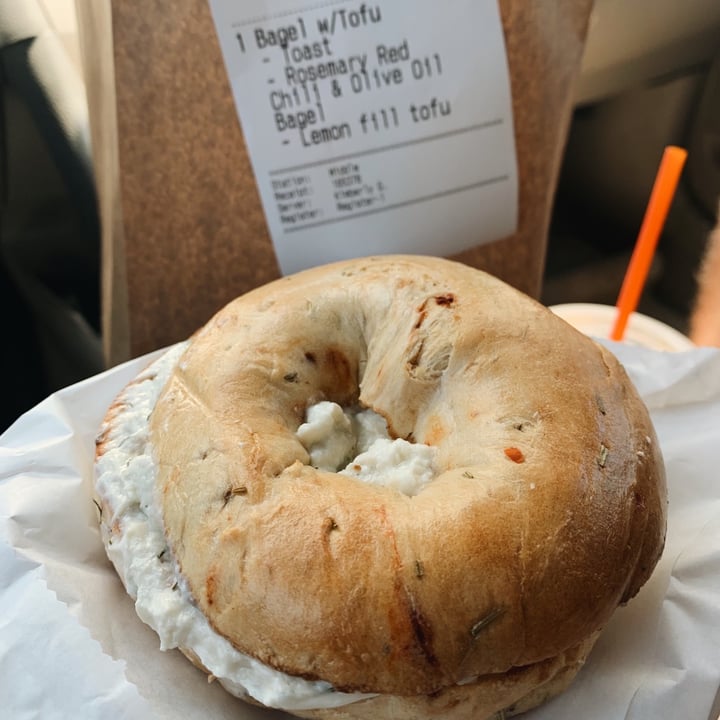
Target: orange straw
(661,197)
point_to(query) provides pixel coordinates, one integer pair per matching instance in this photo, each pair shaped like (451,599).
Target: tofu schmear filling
(355,442)
(351,441)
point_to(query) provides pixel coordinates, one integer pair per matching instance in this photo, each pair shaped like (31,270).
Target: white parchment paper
(71,645)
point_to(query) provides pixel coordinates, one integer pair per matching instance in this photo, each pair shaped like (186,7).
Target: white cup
(598,320)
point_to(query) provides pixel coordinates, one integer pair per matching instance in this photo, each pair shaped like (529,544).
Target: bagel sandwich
(386,487)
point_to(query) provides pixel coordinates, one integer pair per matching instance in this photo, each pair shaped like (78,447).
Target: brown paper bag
(183,227)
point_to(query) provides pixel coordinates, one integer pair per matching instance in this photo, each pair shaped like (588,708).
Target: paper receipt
(374,127)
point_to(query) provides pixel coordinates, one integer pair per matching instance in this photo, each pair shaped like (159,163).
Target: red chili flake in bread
(514,454)
(447,299)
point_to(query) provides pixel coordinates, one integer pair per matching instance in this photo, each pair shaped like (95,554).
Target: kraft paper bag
(184,231)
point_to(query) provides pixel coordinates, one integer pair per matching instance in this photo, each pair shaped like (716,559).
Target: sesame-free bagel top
(548,509)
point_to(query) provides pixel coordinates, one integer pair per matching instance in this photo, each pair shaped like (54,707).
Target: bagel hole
(355,442)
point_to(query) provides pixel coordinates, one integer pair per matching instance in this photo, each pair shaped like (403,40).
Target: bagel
(529,504)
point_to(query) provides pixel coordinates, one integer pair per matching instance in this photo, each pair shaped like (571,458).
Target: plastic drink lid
(597,321)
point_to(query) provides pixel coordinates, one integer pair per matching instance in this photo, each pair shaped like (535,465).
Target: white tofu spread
(126,479)
(357,443)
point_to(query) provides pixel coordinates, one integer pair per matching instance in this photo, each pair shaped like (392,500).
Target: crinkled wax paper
(72,646)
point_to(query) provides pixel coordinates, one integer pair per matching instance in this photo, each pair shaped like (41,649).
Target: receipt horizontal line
(395,146)
(405,203)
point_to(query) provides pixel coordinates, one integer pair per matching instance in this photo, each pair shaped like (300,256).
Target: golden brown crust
(549,509)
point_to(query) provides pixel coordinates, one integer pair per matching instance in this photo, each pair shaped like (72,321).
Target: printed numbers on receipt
(374,127)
